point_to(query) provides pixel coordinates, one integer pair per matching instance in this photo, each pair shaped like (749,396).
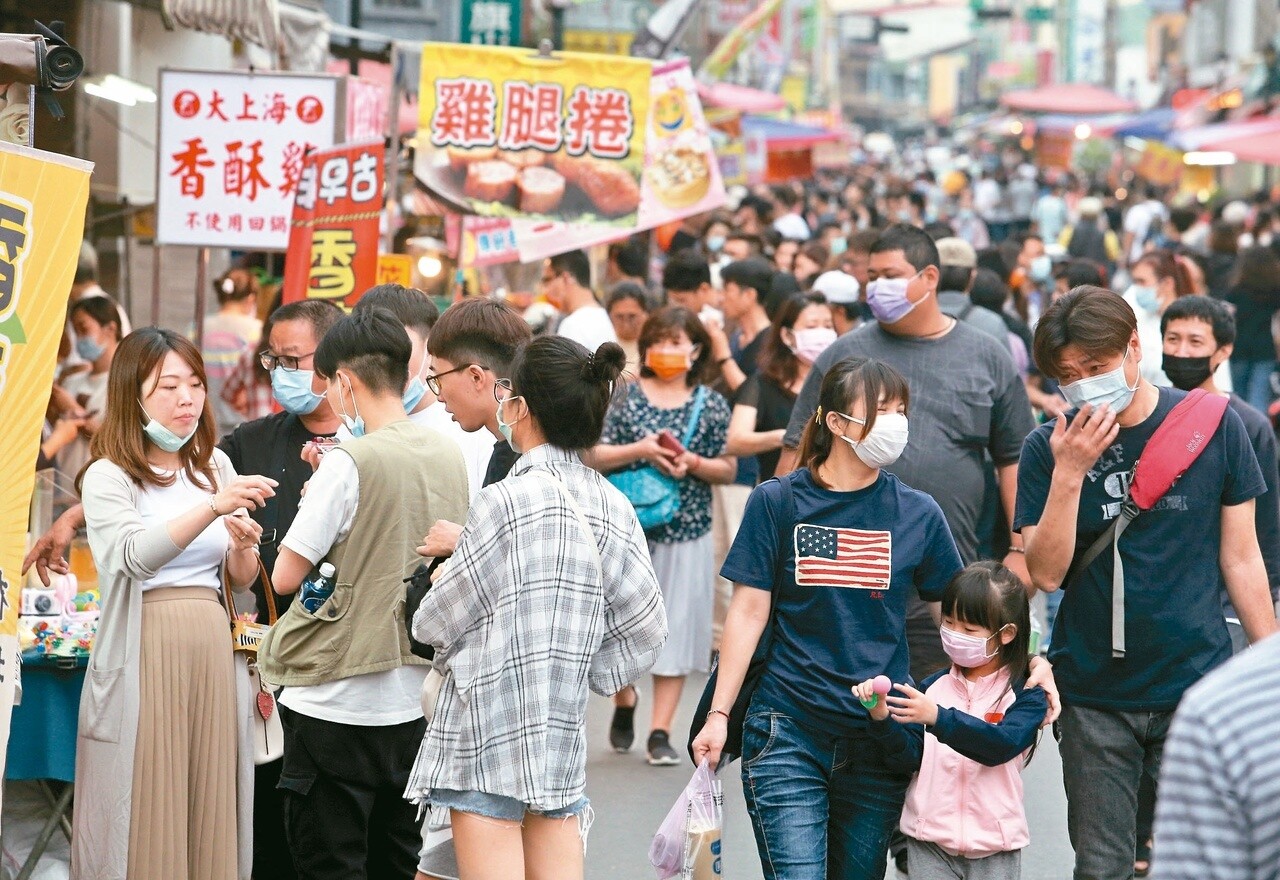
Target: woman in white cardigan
(163,766)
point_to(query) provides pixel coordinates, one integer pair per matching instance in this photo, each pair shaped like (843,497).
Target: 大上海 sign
(231,151)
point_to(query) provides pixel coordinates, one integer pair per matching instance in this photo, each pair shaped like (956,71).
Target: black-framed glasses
(502,390)
(287,362)
(433,381)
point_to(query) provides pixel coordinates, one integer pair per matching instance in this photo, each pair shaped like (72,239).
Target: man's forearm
(786,461)
(1052,545)
(1007,476)
(1251,596)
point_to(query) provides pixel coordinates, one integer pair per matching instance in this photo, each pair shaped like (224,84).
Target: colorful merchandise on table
(59,620)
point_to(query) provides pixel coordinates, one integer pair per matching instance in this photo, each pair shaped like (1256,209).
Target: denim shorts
(496,806)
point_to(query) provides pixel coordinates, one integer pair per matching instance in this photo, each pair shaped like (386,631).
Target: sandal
(1142,860)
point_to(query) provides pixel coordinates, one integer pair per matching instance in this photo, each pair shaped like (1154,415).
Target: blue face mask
(414,392)
(1041,268)
(1145,297)
(504,428)
(162,436)
(838,246)
(292,390)
(89,349)
(1111,388)
(715,243)
(354,424)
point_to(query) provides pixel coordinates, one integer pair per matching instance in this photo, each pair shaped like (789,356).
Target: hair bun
(606,365)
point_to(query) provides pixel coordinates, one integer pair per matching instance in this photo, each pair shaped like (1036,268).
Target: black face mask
(1186,373)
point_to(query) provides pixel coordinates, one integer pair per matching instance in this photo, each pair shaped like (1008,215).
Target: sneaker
(622,730)
(660,752)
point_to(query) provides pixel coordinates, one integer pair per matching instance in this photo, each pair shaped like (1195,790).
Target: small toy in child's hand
(881,685)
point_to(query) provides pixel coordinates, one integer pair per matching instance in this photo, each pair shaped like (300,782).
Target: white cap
(838,287)
(327,569)
(1236,213)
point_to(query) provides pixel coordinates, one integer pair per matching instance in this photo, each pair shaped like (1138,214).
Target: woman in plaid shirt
(550,592)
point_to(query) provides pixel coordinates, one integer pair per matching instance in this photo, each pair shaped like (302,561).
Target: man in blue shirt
(1072,481)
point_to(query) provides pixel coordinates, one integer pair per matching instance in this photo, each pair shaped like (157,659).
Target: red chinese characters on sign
(600,122)
(333,242)
(531,116)
(241,175)
(188,170)
(464,114)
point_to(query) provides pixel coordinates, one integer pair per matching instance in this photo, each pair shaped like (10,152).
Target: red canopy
(1074,98)
(742,98)
(1257,141)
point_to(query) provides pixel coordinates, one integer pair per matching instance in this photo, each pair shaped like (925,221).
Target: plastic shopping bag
(687,845)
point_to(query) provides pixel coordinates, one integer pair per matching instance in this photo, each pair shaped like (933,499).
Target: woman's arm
(748,616)
(744,439)
(720,470)
(608,457)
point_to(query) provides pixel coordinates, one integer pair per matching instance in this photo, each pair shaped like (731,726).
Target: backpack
(1088,242)
(1173,448)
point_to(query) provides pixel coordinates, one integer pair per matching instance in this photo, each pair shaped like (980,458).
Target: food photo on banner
(42,210)
(17,110)
(681,175)
(333,239)
(230,153)
(533,136)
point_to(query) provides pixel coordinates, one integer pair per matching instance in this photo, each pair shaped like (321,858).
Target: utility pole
(1110,43)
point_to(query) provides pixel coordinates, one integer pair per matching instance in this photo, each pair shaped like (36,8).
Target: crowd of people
(851,427)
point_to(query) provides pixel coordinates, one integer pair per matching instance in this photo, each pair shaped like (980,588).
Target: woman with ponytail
(549,593)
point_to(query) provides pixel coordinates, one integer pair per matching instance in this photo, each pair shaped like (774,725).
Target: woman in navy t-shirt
(854,544)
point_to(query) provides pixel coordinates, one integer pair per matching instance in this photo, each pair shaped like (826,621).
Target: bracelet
(213,505)
(718,712)
(724,360)
(1022,550)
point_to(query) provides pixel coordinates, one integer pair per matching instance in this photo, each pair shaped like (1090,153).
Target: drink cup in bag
(688,844)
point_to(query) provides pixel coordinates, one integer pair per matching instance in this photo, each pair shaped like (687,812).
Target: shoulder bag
(246,638)
(759,660)
(654,495)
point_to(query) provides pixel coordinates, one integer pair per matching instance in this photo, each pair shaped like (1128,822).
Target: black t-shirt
(500,463)
(773,405)
(747,357)
(1174,627)
(682,241)
(272,447)
(1253,324)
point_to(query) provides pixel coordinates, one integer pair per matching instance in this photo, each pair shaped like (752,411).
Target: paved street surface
(631,799)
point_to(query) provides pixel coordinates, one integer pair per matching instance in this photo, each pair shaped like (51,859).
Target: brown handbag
(247,636)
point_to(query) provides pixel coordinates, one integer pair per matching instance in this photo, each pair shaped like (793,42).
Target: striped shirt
(525,617)
(1218,814)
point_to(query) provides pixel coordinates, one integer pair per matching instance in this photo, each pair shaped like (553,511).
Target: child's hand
(865,692)
(914,708)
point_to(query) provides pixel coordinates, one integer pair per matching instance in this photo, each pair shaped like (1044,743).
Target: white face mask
(884,444)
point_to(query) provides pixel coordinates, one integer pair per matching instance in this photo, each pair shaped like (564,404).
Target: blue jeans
(1252,381)
(822,806)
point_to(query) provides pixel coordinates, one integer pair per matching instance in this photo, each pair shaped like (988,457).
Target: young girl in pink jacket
(964,815)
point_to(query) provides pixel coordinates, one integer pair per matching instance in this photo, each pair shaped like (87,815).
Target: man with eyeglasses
(271,446)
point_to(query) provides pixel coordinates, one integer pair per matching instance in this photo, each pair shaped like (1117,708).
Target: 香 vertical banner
(42,207)
(230,153)
(510,133)
(333,239)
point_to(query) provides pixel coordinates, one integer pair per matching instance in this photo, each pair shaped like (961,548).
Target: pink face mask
(966,651)
(812,342)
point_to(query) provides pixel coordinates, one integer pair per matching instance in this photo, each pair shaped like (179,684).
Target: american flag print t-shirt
(846,565)
(858,558)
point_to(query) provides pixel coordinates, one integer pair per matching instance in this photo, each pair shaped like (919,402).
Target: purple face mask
(888,300)
(966,651)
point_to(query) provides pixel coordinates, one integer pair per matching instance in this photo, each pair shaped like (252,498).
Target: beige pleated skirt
(183,824)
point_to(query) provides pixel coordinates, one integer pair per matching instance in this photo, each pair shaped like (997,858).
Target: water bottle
(318,587)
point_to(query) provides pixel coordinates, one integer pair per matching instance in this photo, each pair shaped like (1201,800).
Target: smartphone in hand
(668,441)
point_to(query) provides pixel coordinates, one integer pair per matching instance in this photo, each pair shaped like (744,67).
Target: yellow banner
(510,133)
(42,204)
(1160,164)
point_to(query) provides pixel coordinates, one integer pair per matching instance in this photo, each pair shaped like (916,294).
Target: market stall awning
(1099,126)
(779,135)
(741,98)
(1209,137)
(1260,142)
(1154,125)
(1071,98)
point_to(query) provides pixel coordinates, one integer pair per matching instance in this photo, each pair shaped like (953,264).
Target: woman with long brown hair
(163,767)
(1255,293)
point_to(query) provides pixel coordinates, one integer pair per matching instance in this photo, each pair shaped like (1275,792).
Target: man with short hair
(687,281)
(1199,333)
(1122,680)
(791,224)
(967,400)
(566,283)
(742,246)
(753,215)
(959,266)
(351,703)
(415,310)
(746,284)
(844,294)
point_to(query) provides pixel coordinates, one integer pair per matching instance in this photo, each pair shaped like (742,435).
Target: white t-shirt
(90,391)
(476,448)
(589,325)
(200,564)
(1138,221)
(375,699)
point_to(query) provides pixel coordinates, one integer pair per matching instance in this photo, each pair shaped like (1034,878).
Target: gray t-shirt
(966,398)
(954,303)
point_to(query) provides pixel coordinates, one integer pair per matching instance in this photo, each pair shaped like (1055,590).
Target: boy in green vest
(350,706)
